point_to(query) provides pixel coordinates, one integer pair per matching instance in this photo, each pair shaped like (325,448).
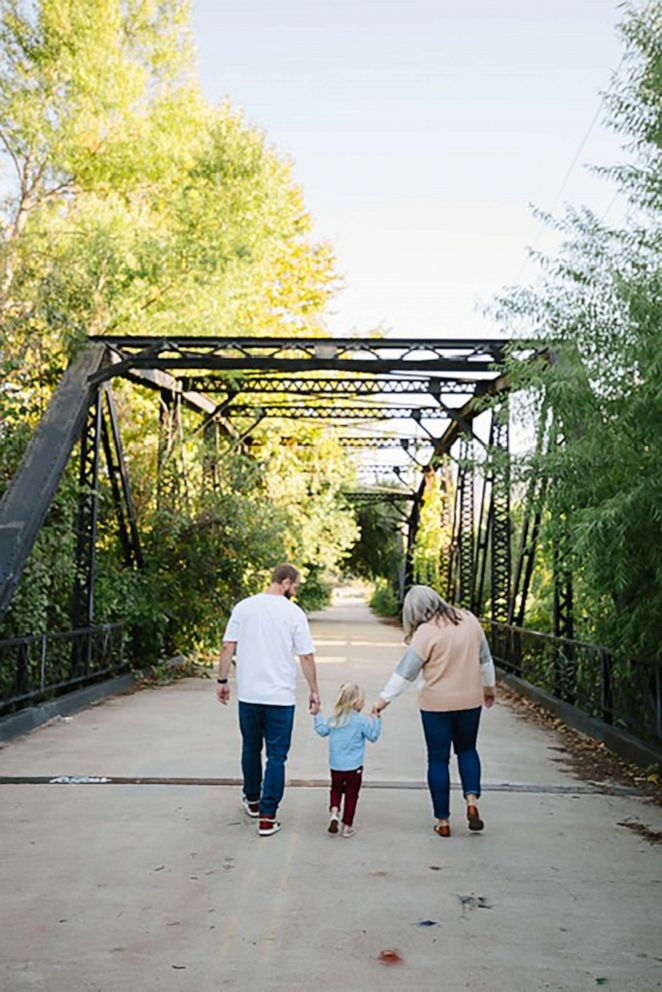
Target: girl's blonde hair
(349,698)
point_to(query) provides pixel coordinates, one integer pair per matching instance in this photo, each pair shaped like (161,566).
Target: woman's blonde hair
(422,604)
(349,698)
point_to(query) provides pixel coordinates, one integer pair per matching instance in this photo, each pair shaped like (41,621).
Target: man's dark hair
(282,572)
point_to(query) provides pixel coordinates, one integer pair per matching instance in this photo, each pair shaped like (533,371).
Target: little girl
(347,731)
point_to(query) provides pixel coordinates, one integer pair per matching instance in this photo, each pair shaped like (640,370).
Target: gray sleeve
(408,670)
(410,665)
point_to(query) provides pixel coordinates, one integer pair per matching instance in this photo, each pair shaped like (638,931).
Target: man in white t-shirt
(266,631)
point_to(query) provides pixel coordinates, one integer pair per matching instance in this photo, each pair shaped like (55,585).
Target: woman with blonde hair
(347,730)
(449,657)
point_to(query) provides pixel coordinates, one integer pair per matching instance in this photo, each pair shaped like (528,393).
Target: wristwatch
(221,681)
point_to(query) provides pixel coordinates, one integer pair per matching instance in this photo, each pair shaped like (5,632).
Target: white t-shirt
(269,631)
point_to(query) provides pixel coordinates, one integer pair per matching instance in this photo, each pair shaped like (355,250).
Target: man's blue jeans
(460,727)
(271,725)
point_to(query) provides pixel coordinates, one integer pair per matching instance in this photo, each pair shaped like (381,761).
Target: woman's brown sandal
(473,818)
(443,829)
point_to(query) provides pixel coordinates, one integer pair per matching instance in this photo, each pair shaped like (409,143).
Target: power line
(570,170)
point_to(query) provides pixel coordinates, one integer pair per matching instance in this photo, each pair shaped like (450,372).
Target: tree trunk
(8,264)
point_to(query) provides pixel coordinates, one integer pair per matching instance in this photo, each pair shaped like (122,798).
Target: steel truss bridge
(417,398)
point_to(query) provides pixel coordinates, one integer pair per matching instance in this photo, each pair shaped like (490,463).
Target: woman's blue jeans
(461,728)
(271,725)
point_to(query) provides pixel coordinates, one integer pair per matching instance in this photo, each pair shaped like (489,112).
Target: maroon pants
(347,784)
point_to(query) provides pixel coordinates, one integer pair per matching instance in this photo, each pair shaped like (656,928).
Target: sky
(422,132)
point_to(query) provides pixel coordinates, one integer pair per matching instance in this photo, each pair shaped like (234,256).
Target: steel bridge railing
(624,693)
(38,667)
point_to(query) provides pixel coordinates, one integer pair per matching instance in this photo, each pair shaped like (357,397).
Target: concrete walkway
(139,888)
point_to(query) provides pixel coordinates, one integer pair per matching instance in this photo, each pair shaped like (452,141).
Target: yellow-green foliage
(134,206)
(433,537)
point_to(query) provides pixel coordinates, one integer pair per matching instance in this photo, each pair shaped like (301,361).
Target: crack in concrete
(596,789)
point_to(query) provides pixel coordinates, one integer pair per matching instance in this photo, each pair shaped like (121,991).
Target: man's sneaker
(334,824)
(348,831)
(253,809)
(268,826)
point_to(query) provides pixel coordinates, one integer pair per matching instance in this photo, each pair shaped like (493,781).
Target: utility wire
(570,170)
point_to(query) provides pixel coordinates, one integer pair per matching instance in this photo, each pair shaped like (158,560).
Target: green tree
(86,92)
(378,551)
(599,306)
(133,205)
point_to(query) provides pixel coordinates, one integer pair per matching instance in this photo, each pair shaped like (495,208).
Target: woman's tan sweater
(452,663)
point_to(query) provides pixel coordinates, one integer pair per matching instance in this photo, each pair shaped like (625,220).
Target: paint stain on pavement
(390,957)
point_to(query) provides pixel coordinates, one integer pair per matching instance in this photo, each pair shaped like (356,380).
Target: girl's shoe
(348,831)
(253,809)
(473,818)
(334,824)
(268,825)
(442,829)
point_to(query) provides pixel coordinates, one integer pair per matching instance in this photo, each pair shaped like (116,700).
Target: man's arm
(224,665)
(310,674)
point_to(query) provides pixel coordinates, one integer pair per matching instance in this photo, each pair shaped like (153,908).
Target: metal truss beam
(119,483)
(533,509)
(413,522)
(470,356)
(167,474)
(445,522)
(333,387)
(465,532)
(374,469)
(563,599)
(463,420)
(88,512)
(307,412)
(565,669)
(371,497)
(321,347)
(371,443)
(501,549)
(483,532)
(164,382)
(31,491)
(564,623)
(452,589)
(210,455)
(158,380)
(245,436)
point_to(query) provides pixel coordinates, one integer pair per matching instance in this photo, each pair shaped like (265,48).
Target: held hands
(489,696)
(314,705)
(378,706)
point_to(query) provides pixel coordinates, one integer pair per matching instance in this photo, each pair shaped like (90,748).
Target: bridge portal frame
(191,372)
